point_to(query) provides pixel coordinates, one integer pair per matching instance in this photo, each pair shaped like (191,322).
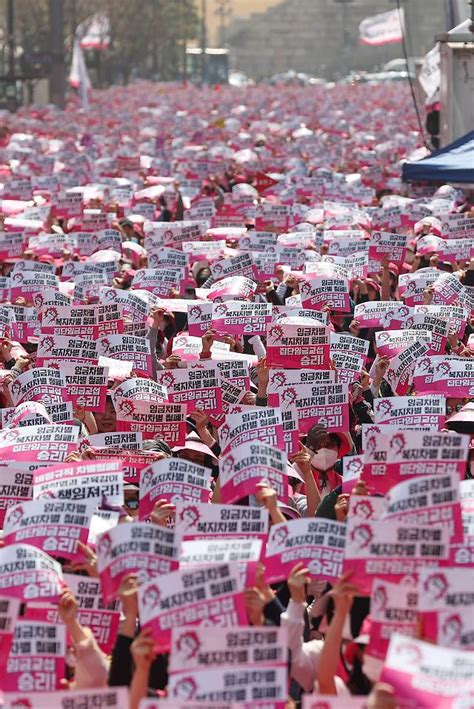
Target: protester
(237,410)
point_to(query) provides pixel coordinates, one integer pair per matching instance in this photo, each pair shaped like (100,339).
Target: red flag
(263,182)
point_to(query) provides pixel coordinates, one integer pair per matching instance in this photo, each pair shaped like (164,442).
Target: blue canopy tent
(453,164)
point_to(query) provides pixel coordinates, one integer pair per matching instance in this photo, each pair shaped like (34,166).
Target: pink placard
(317,543)
(141,549)
(205,596)
(174,480)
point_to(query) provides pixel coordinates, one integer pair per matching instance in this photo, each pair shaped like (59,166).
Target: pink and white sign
(86,384)
(15,487)
(236,317)
(393,609)
(252,422)
(36,662)
(282,381)
(390,550)
(400,370)
(388,245)
(248,464)
(446,606)
(174,480)
(392,455)
(321,291)
(454,376)
(38,444)
(95,481)
(110,697)
(42,384)
(381,313)
(140,548)
(317,543)
(136,350)
(194,648)
(427,413)
(326,404)
(29,574)
(63,348)
(197,387)
(425,675)
(390,342)
(250,684)
(208,596)
(88,321)
(167,421)
(55,526)
(203,552)
(198,521)
(429,499)
(294,343)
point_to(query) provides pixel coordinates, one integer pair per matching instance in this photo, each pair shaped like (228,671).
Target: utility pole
(11,39)
(57,77)
(203,41)
(224,10)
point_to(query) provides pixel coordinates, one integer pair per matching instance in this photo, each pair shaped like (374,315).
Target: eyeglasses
(454,409)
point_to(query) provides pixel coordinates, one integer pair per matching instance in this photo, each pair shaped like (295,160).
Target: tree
(148,37)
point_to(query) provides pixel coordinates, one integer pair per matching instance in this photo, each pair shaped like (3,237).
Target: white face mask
(324,459)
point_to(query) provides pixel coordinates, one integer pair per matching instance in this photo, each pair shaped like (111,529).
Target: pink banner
(198,521)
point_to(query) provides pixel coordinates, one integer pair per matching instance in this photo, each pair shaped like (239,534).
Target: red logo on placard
(452,628)
(362,535)
(398,443)
(127,407)
(105,343)
(443,368)
(195,311)
(151,597)
(185,688)
(276,332)
(188,644)
(384,407)
(371,441)
(50,313)
(379,599)
(363,509)
(289,395)
(280,536)
(220,309)
(436,586)
(410,653)
(190,516)
(167,379)
(104,545)
(424,364)
(47,343)
(279,378)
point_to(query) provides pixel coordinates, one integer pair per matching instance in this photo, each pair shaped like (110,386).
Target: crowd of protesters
(235,454)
